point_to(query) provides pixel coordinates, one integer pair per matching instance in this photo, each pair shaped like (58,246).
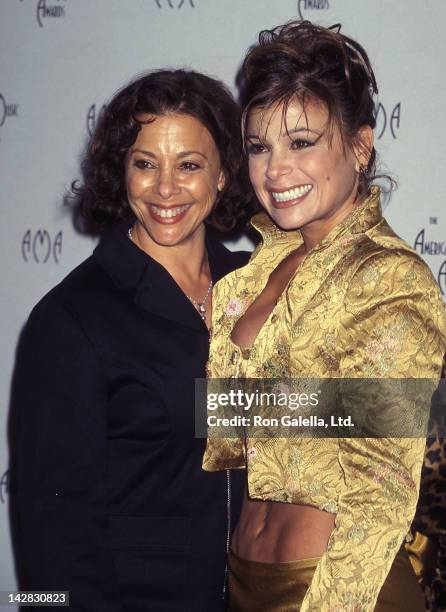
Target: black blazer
(112,502)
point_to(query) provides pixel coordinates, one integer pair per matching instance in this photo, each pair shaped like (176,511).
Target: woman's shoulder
(382,253)
(78,291)
(389,272)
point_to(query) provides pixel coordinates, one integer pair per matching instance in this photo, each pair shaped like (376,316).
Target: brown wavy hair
(313,63)
(102,198)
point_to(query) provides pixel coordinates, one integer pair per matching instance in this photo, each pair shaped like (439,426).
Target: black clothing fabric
(113,505)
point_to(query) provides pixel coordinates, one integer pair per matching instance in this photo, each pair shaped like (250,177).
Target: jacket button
(234,357)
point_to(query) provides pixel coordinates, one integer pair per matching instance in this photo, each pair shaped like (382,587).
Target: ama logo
(171,4)
(7,110)
(40,247)
(387,119)
(92,117)
(4,486)
(315,5)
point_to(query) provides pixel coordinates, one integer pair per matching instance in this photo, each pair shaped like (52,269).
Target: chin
(164,236)
(175,236)
(167,240)
(286,221)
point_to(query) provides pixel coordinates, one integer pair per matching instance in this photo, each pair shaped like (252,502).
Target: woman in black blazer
(113,505)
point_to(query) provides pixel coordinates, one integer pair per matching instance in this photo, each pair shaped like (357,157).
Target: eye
(301,143)
(143,164)
(255,148)
(189,166)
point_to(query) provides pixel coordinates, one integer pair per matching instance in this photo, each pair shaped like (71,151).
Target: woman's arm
(393,326)
(60,403)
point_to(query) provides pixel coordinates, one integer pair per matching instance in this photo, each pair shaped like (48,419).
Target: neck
(315,232)
(186,261)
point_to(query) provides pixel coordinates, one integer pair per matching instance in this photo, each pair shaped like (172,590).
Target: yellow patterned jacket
(362,304)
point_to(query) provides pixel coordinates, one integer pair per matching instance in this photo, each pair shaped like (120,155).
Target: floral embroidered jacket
(361,305)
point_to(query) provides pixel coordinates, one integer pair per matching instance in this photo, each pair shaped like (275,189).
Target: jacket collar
(363,218)
(152,287)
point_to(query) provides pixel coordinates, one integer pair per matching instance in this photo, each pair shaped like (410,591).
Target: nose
(166,185)
(278,165)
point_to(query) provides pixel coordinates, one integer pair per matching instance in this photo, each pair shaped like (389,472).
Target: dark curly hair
(102,198)
(311,62)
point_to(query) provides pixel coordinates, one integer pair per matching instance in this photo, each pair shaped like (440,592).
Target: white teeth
(291,194)
(168,213)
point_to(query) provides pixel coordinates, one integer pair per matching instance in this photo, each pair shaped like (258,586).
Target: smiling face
(301,178)
(173,174)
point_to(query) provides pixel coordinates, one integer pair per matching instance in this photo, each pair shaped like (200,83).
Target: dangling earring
(364,180)
(361,175)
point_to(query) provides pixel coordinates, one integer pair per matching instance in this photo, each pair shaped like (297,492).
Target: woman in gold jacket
(331,292)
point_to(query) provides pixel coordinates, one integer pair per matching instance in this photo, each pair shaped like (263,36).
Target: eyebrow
(182,154)
(185,153)
(293,131)
(301,129)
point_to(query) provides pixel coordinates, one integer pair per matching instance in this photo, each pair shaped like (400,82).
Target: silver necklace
(200,306)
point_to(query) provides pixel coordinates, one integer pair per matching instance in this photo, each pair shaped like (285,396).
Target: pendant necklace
(201,306)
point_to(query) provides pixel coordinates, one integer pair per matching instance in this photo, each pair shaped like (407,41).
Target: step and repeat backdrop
(61,60)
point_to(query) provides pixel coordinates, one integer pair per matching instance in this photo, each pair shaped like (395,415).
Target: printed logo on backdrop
(40,247)
(311,5)
(424,245)
(175,3)
(4,486)
(50,9)
(387,119)
(92,117)
(441,277)
(7,110)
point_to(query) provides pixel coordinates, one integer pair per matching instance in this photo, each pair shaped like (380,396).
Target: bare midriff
(274,532)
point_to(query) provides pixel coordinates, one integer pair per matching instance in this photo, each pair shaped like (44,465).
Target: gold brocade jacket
(361,304)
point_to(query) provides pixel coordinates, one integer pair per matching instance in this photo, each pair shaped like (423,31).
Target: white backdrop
(60,60)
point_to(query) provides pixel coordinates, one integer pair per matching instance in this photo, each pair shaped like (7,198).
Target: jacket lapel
(158,293)
(152,288)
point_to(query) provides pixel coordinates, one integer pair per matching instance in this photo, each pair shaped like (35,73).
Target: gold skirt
(281,587)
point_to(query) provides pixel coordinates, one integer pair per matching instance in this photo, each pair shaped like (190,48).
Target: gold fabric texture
(281,587)
(361,305)
(269,587)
